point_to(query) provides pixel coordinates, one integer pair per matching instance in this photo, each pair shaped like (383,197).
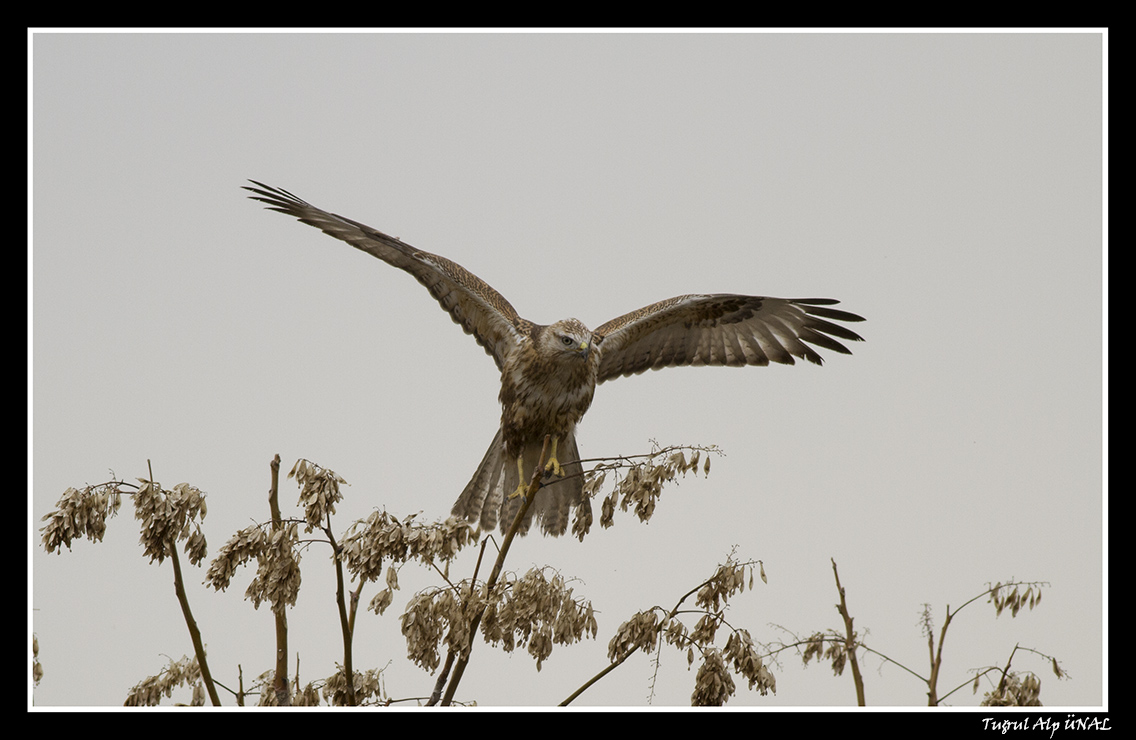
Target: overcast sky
(947,187)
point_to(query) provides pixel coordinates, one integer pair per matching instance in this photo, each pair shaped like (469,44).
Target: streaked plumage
(549,373)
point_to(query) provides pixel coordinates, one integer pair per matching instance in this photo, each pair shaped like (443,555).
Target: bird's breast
(539,398)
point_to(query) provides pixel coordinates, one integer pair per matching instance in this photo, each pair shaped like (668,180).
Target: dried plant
(149,691)
(536,611)
(640,487)
(319,491)
(37,669)
(81,513)
(167,517)
(841,648)
(647,631)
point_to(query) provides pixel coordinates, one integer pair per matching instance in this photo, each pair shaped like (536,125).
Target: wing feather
(721,329)
(471,302)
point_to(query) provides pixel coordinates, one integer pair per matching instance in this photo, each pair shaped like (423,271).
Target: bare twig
(346,621)
(850,643)
(280,679)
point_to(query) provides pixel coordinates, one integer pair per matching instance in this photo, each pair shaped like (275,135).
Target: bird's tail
(486,501)
(480,502)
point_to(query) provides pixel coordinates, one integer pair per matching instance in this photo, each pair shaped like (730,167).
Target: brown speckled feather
(470,301)
(721,329)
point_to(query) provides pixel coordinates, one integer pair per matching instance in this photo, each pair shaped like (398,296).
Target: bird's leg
(553,465)
(521,486)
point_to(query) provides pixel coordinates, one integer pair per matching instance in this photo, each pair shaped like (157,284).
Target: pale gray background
(948,187)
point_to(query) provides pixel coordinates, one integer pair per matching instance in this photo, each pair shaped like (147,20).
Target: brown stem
(345,621)
(280,680)
(190,622)
(530,494)
(194,633)
(849,640)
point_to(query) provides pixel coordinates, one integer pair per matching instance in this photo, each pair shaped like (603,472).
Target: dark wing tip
(814,306)
(820,332)
(817,331)
(278,199)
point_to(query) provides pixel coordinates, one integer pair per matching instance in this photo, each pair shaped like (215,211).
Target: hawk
(549,373)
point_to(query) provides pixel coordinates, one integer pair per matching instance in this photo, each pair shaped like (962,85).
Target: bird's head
(567,338)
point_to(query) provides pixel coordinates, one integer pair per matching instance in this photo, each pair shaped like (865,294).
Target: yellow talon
(553,464)
(521,487)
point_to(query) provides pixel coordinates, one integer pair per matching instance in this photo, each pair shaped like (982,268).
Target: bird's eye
(566,340)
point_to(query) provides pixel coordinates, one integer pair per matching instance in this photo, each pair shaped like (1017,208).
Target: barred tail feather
(481,500)
(485,498)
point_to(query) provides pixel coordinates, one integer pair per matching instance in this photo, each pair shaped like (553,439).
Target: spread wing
(720,330)
(470,301)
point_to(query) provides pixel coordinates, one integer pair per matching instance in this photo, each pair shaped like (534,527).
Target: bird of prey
(549,373)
